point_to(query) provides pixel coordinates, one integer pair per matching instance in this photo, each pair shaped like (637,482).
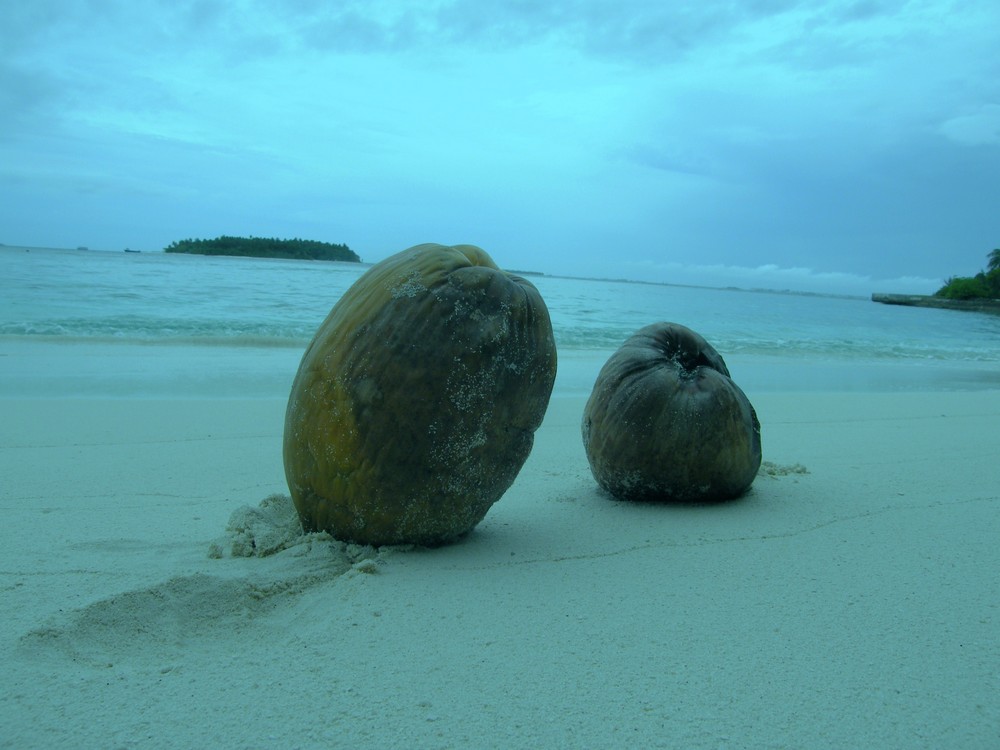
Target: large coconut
(416,403)
(666,422)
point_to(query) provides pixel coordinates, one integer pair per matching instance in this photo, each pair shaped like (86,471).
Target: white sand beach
(850,600)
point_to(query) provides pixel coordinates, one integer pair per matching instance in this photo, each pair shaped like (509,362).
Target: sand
(850,600)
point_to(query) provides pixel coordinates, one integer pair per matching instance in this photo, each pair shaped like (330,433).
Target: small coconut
(666,422)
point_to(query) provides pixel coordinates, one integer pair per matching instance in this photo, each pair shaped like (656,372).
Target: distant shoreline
(521,272)
(922,300)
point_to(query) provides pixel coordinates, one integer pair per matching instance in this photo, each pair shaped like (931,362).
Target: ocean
(76,322)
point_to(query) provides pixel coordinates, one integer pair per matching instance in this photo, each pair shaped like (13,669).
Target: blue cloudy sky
(826,145)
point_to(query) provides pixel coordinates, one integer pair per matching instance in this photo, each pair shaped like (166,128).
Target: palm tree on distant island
(993,261)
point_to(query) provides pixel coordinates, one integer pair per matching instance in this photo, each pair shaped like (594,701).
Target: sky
(842,146)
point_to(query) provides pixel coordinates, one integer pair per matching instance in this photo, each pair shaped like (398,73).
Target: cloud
(981,128)
(774,277)
(676,157)
(26,97)
(647,32)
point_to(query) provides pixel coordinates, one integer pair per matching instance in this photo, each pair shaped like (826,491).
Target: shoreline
(38,369)
(991,306)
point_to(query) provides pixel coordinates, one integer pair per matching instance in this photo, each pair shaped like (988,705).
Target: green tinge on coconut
(416,403)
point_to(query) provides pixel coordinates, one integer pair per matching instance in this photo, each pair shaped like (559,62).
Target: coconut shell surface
(665,422)
(417,401)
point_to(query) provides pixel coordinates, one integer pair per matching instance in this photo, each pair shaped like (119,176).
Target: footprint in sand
(165,619)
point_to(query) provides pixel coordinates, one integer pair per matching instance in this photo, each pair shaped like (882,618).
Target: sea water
(78,322)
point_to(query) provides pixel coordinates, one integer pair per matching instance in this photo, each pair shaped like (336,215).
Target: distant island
(263,247)
(979,293)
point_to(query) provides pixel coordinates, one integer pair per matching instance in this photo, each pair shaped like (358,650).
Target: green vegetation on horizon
(263,247)
(984,285)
